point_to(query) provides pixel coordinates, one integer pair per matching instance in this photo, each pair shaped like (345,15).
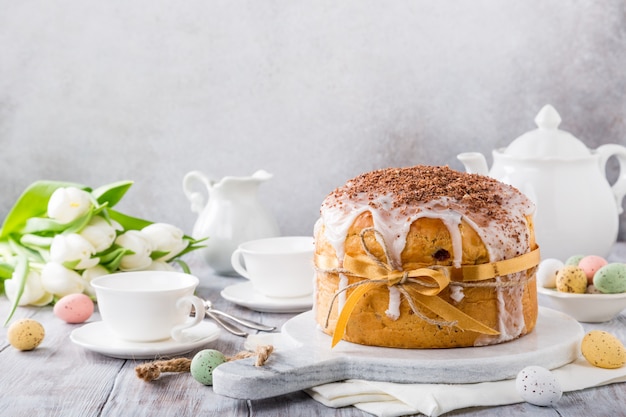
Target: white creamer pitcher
(577,208)
(232,215)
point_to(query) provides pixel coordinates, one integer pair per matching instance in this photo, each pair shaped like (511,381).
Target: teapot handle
(619,188)
(195,197)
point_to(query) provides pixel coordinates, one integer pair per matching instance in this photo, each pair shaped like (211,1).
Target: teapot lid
(547,140)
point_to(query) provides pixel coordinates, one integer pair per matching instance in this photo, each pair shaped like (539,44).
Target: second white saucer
(96,337)
(245,295)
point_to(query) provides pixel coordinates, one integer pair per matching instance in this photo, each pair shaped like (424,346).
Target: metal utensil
(244,322)
(226,325)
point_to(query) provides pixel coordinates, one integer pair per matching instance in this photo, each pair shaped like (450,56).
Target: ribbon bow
(418,286)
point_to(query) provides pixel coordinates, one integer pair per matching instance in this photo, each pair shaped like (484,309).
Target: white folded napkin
(386,399)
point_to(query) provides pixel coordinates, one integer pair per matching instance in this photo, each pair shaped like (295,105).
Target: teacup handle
(198,304)
(619,152)
(235,261)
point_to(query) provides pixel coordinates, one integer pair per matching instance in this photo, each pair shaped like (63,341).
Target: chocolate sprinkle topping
(418,185)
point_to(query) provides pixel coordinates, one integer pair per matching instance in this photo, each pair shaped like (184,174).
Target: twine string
(153,370)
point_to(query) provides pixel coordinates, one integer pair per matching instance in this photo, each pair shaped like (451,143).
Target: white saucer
(245,295)
(97,337)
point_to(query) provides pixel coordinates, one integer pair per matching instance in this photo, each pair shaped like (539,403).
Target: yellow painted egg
(25,334)
(603,350)
(571,279)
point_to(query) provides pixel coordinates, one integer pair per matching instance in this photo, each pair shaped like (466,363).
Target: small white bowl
(588,308)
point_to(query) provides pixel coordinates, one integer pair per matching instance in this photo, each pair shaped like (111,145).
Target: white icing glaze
(393,311)
(456,293)
(341,299)
(511,319)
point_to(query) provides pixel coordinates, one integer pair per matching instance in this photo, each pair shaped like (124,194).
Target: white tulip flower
(34,292)
(61,281)
(100,233)
(73,248)
(89,274)
(67,204)
(166,238)
(140,244)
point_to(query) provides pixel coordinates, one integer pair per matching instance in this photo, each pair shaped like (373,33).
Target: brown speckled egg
(571,279)
(25,334)
(603,350)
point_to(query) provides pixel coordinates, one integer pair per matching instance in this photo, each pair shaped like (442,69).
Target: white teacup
(148,306)
(279,267)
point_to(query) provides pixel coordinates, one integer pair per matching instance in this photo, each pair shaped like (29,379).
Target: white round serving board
(553,343)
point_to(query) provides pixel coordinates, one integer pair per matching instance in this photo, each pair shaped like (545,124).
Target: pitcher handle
(195,197)
(619,152)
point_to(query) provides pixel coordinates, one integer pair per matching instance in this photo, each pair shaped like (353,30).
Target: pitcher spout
(474,162)
(262,175)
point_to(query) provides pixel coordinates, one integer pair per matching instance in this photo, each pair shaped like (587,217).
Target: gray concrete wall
(314,92)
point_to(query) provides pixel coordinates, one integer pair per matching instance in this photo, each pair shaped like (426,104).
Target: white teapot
(577,209)
(232,215)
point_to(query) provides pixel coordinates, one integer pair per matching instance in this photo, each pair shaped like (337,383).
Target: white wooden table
(62,379)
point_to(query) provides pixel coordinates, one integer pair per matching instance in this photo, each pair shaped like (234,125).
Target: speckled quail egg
(603,350)
(537,385)
(203,364)
(25,334)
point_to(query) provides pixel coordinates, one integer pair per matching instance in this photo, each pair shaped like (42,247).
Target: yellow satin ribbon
(421,286)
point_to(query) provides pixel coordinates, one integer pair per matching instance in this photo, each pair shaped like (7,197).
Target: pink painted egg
(590,264)
(74,308)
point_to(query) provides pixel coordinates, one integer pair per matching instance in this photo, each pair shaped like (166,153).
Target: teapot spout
(474,162)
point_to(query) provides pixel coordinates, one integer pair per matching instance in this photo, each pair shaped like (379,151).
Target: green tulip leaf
(36,242)
(112,260)
(183,266)
(158,254)
(42,225)
(194,244)
(47,226)
(32,203)
(113,252)
(71,264)
(6,271)
(111,194)
(79,223)
(128,222)
(20,274)
(25,252)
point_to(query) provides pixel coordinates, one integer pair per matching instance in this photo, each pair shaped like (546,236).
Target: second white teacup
(148,306)
(278,267)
